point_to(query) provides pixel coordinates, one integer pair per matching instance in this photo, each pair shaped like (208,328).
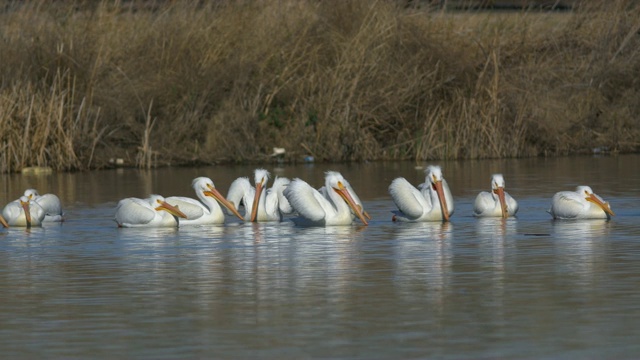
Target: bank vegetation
(83,84)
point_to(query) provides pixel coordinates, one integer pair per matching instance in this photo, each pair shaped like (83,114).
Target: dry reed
(342,81)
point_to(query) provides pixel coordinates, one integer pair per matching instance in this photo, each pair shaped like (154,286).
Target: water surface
(527,287)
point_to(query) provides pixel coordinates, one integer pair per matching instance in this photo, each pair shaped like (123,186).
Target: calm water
(523,288)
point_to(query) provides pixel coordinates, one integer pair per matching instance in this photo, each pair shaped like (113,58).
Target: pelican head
(205,186)
(160,204)
(435,178)
(261,177)
(31,193)
(339,184)
(497,187)
(590,196)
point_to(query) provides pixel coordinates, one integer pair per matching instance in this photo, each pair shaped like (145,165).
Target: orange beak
(27,213)
(603,205)
(214,193)
(342,191)
(503,203)
(256,200)
(443,202)
(366,214)
(3,222)
(173,210)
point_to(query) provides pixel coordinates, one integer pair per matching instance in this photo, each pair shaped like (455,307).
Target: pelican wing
(484,201)
(193,208)
(279,185)
(12,210)
(565,204)
(50,203)
(241,192)
(134,211)
(512,204)
(306,200)
(407,198)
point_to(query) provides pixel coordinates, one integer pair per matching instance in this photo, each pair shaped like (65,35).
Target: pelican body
(316,209)
(50,203)
(23,212)
(430,201)
(266,204)
(150,212)
(580,204)
(497,203)
(207,210)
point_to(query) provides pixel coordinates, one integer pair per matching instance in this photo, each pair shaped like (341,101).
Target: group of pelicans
(336,203)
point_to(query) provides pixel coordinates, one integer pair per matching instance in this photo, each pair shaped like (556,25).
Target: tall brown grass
(183,83)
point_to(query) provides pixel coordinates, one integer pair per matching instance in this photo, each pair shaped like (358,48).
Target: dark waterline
(527,287)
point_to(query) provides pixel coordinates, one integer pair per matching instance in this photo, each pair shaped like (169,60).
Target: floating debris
(37,170)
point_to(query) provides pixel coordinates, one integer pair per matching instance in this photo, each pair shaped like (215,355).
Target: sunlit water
(528,287)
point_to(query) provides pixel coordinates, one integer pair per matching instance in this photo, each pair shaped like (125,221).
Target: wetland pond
(528,287)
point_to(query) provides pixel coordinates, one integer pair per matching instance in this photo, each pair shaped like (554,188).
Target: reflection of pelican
(579,204)
(50,203)
(581,246)
(496,203)
(431,201)
(580,230)
(151,212)
(23,212)
(205,211)
(423,258)
(266,205)
(316,209)
(495,234)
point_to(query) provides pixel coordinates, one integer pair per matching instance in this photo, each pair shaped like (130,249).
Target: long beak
(173,210)
(443,201)
(366,214)
(256,200)
(603,205)
(3,222)
(27,213)
(342,191)
(214,193)
(503,203)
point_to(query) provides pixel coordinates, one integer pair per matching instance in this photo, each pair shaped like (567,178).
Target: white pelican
(150,212)
(50,203)
(319,210)
(23,212)
(266,205)
(207,210)
(431,201)
(497,202)
(579,204)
